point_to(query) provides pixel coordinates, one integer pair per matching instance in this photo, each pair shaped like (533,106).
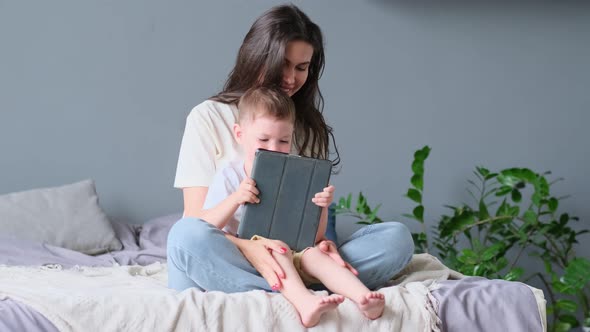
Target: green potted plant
(512,211)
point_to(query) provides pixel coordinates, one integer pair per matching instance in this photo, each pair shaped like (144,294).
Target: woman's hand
(329,248)
(324,198)
(258,253)
(246,192)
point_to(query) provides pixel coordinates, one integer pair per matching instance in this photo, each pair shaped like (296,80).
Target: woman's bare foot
(372,304)
(312,312)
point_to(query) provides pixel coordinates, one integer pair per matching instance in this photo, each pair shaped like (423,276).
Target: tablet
(286,183)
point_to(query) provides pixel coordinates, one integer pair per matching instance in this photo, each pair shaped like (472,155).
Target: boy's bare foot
(310,314)
(372,304)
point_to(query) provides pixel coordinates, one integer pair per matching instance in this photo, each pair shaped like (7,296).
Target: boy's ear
(238,133)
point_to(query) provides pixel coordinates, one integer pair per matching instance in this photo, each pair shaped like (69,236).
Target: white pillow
(67,216)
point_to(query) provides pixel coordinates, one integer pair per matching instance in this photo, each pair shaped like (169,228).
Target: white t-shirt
(225,182)
(207,144)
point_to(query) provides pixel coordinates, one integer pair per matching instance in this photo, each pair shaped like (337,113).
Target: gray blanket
(479,304)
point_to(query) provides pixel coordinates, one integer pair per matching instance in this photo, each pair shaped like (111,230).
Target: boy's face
(263,132)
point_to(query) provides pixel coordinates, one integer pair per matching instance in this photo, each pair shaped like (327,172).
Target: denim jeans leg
(378,252)
(199,255)
(331,227)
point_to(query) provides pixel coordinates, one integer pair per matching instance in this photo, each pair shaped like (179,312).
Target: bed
(49,287)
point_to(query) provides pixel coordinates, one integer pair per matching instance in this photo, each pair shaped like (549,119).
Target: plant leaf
(569,319)
(516,195)
(483,171)
(414,195)
(492,251)
(468,257)
(490,176)
(419,212)
(553,204)
(342,204)
(514,274)
(536,199)
(501,263)
(373,215)
(418,167)
(478,270)
(361,203)
(509,177)
(562,327)
(564,218)
(530,217)
(514,210)
(503,209)
(528,175)
(567,305)
(417,181)
(457,223)
(483,211)
(577,275)
(423,153)
(504,190)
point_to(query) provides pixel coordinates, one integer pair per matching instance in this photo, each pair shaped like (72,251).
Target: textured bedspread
(142,245)
(135,298)
(426,295)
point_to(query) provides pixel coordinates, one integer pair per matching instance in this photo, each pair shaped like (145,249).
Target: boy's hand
(324,198)
(329,248)
(246,193)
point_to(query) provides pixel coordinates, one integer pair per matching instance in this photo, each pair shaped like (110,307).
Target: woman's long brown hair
(261,59)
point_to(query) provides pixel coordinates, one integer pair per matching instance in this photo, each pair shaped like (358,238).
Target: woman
(283,48)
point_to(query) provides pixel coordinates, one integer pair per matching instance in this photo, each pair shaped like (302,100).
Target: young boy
(266,121)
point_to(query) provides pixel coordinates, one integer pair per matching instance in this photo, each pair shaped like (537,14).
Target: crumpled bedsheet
(135,298)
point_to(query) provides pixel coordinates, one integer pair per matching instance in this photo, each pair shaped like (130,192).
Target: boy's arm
(220,214)
(220,204)
(226,194)
(321,234)
(323,199)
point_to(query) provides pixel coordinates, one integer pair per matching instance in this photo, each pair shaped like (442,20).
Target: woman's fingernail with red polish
(283,249)
(275,287)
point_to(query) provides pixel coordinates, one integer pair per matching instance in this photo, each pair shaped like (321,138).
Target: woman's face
(296,68)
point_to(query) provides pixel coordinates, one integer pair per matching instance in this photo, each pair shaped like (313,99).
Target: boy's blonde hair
(261,101)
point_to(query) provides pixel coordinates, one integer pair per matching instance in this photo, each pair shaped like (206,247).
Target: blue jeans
(199,255)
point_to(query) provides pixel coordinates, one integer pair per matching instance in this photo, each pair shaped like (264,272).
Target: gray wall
(101,89)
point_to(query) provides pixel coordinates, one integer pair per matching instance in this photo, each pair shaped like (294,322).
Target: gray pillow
(67,216)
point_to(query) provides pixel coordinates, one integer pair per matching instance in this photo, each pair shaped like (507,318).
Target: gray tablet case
(286,183)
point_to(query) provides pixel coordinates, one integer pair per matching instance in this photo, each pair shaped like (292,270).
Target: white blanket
(135,298)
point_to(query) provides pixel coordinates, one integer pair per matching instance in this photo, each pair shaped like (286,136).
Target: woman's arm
(194,198)
(258,254)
